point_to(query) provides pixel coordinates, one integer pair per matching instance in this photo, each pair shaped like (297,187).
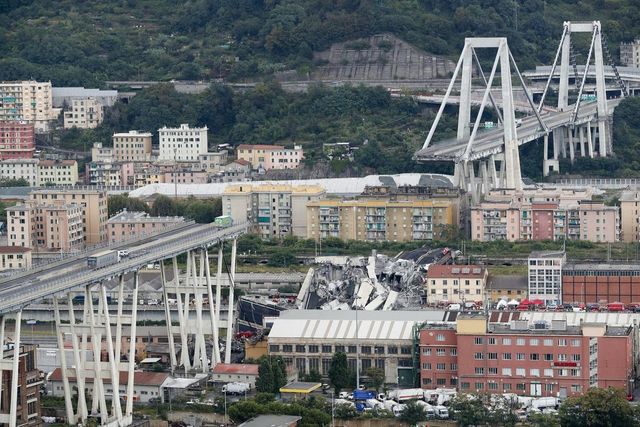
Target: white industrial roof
(336,186)
(340,325)
(574,319)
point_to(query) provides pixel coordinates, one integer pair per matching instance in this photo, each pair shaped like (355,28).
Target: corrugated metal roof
(611,318)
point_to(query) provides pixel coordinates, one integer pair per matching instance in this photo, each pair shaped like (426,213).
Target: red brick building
(596,283)
(17,140)
(528,359)
(29,382)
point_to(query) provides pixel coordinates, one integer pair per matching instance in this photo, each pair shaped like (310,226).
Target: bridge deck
(29,288)
(490,142)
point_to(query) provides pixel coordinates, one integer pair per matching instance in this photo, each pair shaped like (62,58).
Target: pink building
(126,225)
(17,140)
(127,173)
(531,360)
(271,157)
(186,177)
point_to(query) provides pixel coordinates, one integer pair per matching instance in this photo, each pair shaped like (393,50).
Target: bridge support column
(232,276)
(590,143)
(12,365)
(583,151)
(572,152)
(104,364)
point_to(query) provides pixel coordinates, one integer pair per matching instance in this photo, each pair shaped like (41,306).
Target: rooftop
(132,132)
(14,250)
(300,387)
(136,216)
(507,282)
(259,147)
(139,377)
(462,271)
(57,163)
(274,188)
(546,254)
(236,368)
(271,421)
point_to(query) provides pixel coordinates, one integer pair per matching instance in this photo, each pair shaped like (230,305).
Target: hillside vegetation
(86,42)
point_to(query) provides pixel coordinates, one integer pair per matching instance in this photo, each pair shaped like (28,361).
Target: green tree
(163,206)
(244,410)
(120,202)
(264,382)
(413,413)
(469,410)
(376,376)
(279,373)
(282,258)
(13,182)
(598,407)
(313,376)
(543,420)
(339,371)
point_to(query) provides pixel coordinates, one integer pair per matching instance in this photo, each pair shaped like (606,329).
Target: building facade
(270,157)
(29,383)
(104,173)
(126,225)
(545,276)
(213,162)
(275,210)
(544,215)
(600,283)
(456,283)
(99,153)
(132,146)
(84,114)
(26,169)
(14,258)
(20,226)
(630,54)
(507,288)
(541,359)
(235,372)
(28,101)
(17,140)
(629,216)
(379,220)
(236,171)
(94,208)
(183,143)
(57,172)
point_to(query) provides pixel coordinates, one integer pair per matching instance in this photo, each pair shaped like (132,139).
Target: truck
(406,394)
(428,409)
(223,221)
(236,388)
(364,394)
(102,259)
(442,413)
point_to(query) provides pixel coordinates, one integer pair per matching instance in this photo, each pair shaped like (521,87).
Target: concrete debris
(377,282)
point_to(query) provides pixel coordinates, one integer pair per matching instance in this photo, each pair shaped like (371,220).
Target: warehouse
(308,339)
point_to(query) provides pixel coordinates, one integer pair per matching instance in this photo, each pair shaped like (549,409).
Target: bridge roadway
(489,142)
(16,293)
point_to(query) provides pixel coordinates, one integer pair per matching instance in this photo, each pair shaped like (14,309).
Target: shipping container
(102,259)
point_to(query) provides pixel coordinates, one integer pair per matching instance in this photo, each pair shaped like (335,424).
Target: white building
(545,276)
(99,153)
(84,114)
(28,101)
(20,168)
(235,372)
(630,54)
(308,339)
(57,172)
(183,143)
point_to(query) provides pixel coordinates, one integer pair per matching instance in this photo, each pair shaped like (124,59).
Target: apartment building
(213,162)
(26,169)
(545,276)
(148,176)
(629,216)
(132,146)
(57,172)
(20,226)
(630,54)
(14,258)
(379,220)
(183,143)
(17,140)
(126,225)
(270,157)
(236,171)
(508,287)
(308,339)
(93,203)
(186,177)
(99,153)
(456,283)
(28,389)
(54,226)
(275,210)
(84,114)
(554,218)
(550,359)
(28,101)
(109,173)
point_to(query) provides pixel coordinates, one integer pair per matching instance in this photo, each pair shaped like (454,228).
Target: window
(440,337)
(379,349)
(493,386)
(300,349)
(548,357)
(440,351)
(562,342)
(453,367)
(426,366)
(392,349)
(520,341)
(493,371)
(548,372)
(405,349)
(479,386)
(274,348)
(576,388)
(479,371)
(478,356)
(534,356)
(533,341)
(575,357)
(464,385)
(454,351)
(519,356)
(548,342)
(575,343)
(491,341)
(562,358)
(313,349)
(441,381)
(521,371)
(534,372)
(478,340)
(506,356)
(520,386)
(506,341)
(506,386)
(426,381)
(506,371)
(441,366)
(365,349)
(352,349)
(326,349)
(287,348)
(426,352)
(339,349)
(492,356)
